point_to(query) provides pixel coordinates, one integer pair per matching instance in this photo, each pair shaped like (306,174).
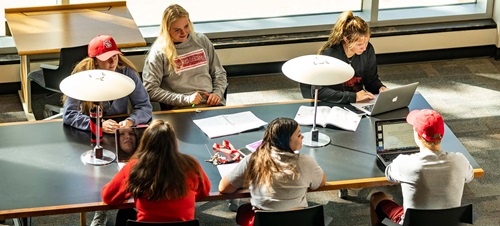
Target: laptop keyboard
(389,157)
(368,107)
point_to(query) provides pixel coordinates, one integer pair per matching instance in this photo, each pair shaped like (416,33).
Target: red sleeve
(204,185)
(114,193)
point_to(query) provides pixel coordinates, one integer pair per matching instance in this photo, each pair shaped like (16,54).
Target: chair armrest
(388,222)
(49,66)
(155,105)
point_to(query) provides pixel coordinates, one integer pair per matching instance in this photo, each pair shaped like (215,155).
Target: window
(280,16)
(148,12)
(392,4)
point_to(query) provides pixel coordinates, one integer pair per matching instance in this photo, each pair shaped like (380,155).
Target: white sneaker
(100,218)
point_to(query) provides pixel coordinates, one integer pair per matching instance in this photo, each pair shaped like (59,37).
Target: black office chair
(194,222)
(428,217)
(50,76)
(310,216)
(306,91)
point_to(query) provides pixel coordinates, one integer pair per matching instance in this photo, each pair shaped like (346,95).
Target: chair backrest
(306,91)
(194,222)
(68,58)
(310,216)
(451,216)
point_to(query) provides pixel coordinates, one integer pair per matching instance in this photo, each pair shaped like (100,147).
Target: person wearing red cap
(430,179)
(104,54)
(182,68)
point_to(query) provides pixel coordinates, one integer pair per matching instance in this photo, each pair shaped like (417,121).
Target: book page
(215,126)
(224,169)
(305,115)
(253,146)
(244,121)
(223,125)
(343,119)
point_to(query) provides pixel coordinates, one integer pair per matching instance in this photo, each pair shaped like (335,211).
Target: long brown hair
(171,14)
(89,63)
(161,171)
(349,27)
(262,166)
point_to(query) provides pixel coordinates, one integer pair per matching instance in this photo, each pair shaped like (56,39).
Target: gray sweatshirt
(201,71)
(431,179)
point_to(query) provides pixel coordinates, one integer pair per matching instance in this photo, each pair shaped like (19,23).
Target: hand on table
(109,126)
(195,98)
(364,95)
(382,89)
(212,99)
(126,123)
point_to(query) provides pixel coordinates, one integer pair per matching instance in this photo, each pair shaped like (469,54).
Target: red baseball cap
(103,47)
(428,123)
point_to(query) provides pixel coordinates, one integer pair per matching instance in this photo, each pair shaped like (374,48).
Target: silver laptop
(126,143)
(394,137)
(389,100)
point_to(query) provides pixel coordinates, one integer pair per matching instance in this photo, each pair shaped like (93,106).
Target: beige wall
(496,18)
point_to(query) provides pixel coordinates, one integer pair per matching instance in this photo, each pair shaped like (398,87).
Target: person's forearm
(226,187)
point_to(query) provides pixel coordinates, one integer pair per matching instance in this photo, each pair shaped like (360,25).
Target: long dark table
(42,174)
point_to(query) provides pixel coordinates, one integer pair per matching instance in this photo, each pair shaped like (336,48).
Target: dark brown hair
(261,166)
(161,171)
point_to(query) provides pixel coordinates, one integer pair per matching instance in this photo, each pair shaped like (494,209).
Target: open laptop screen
(126,142)
(394,135)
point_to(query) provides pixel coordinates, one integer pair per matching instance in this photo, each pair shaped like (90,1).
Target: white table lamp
(317,70)
(97,86)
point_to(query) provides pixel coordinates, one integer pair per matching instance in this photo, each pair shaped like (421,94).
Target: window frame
(482,9)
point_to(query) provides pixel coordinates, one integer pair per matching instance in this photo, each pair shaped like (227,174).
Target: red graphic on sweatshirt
(352,82)
(191,60)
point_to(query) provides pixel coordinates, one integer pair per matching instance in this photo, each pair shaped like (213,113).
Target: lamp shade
(317,70)
(97,85)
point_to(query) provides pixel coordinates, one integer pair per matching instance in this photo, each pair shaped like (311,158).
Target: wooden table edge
(213,196)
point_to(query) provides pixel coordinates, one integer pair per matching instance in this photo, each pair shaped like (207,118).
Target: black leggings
(123,215)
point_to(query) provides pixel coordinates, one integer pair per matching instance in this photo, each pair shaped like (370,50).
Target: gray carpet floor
(465,91)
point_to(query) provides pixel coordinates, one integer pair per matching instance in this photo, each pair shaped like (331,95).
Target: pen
(193,105)
(360,114)
(347,109)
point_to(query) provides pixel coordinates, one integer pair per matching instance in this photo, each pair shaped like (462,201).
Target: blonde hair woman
(182,68)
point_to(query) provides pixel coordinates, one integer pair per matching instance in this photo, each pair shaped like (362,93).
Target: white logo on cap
(107,44)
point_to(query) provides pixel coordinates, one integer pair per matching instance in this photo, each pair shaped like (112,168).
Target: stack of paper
(325,115)
(223,125)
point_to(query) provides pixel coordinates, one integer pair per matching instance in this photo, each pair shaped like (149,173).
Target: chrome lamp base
(93,157)
(315,139)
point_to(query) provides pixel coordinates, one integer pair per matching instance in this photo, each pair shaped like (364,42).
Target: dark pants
(123,215)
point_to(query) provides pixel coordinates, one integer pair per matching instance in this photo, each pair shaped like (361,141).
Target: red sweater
(182,209)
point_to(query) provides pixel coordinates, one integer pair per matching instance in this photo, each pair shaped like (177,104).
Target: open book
(223,125)
(335,116)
